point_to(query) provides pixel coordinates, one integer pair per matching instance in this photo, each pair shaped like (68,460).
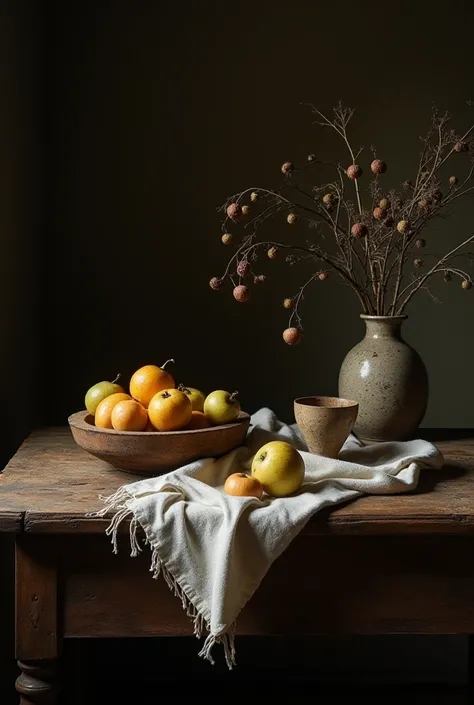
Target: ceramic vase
(388,379)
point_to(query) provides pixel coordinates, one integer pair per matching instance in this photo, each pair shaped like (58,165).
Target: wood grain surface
(51,484)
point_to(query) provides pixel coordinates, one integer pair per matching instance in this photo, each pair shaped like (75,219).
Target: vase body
(388,379)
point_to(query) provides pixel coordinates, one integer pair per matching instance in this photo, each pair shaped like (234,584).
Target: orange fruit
(103,413)
(198,420)
(148,381)
(129,415)
(170,410)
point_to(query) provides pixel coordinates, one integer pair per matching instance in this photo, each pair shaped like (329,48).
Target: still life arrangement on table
(356,227)
(228,492)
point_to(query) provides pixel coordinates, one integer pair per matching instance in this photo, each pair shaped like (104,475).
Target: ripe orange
(170,410)
(148,381)
(103,413)
(198,420)
(129,415)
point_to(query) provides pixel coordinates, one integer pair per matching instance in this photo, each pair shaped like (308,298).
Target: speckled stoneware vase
(388,379)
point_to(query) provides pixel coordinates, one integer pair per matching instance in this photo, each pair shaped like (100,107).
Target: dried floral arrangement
(376,244)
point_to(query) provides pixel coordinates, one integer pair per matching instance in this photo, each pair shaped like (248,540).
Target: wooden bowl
(154,453)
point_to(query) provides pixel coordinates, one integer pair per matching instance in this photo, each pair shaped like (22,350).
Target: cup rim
(305,401)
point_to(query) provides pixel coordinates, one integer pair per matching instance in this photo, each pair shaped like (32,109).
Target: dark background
(123,125)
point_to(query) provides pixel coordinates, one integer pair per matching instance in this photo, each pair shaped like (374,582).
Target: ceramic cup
(325,423)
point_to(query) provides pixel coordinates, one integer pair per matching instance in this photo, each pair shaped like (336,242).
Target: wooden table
(379,565)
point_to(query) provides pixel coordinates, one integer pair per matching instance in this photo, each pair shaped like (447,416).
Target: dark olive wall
(161,112)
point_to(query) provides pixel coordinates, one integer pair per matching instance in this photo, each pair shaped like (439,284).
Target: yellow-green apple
(99,392)
(279,467)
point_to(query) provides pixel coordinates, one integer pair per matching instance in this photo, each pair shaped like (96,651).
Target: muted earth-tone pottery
(325,423)
(153,453)
(388,379)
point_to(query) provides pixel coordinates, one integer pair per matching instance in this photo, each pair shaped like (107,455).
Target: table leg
(37,682)
(37,639)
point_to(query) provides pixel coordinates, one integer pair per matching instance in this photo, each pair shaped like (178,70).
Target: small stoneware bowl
(154,453)
(325,423)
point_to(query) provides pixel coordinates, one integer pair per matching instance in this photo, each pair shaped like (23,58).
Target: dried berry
(403,226)
(378,167)
(287,167)
(287,303)
(461,147)
(245,210)
(241,293)
(328,199)
(380,213)
(384,203)
(272,252)
(234,211)
(311,157)
(291,218)
(254,196)
(216,283)
(453,180)
(292,336)
(259,278)
(354,171)
(420,243)
(243,268)
(322,276)
(424,204)
(226,238)
(466,284)
(359,230)
(418,262)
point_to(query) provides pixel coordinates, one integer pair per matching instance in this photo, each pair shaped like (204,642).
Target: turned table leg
(37,682)
(37,639)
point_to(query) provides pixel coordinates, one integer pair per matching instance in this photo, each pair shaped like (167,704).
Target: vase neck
(383,326)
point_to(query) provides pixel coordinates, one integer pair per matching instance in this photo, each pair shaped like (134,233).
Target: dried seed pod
(245,210)
(418,262)
(292,336)
(380,213)
(466,284)
(216,283)
(259,278)
(453,180)
(403,226)
(234,211)
(311,157)
(241,293)
(437,195)
(378,167)
(291,218)
(384,203)
(328,199)
(407,184)
(461,147)
(287,167)
(354,171)
(359,230)
(226,238)
(420,243)
(243,268)
(288,303)
(448,277)
(254,196)
(424,204)
(322,276)
(272,252)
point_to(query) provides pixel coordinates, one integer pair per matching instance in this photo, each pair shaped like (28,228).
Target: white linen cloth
(213,550)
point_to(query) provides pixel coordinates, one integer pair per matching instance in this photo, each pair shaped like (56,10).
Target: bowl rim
(304,402)
(78,420)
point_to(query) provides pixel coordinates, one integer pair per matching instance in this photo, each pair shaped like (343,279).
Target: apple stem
(166,395)
(117,378)
(234,396)
(182,388)
(166,363)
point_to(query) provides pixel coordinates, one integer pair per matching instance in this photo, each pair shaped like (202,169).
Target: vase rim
(367,317)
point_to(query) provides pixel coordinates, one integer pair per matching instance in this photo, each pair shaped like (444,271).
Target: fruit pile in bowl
(155,426)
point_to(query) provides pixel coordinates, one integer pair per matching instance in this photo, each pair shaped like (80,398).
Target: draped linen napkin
(213,549)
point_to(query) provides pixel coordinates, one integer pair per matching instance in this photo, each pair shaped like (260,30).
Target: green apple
(197,397)
(279,467)
(221,407)
(100,391)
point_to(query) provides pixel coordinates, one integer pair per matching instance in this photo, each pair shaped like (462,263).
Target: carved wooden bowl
(154,453)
